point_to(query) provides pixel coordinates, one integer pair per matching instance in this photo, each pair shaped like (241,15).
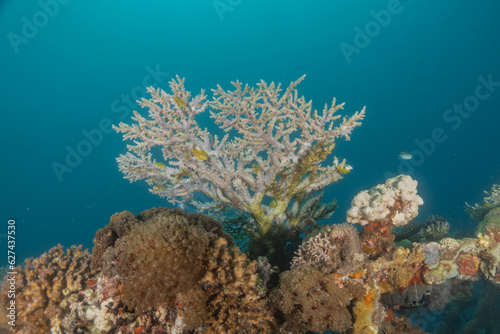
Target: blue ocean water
(428,73)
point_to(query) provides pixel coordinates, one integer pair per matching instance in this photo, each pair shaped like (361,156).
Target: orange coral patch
(356,275)
(468,264)
(368,300)
(389,315)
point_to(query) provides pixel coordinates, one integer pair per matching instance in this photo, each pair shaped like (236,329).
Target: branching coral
(492,200)
(273,150)
(436,228)
(338,249)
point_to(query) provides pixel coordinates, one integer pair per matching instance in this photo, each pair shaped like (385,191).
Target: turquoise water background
(69,69)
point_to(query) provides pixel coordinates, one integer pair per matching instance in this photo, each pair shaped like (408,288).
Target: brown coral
(235,303)
(158,260)
(121,223)
(311,301)
(105,237)
(43,285)
(184,264)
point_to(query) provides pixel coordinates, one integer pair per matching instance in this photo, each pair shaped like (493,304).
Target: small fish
(200,154)
(273,204)
(183,173)
(180,102)
(159,187)
(256,167)
(160,165)
(344,170)
(405,155)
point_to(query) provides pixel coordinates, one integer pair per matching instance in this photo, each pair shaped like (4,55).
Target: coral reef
(392,276)
(167,271)
(121,223)
(273,151)
(434,228)
(44,286)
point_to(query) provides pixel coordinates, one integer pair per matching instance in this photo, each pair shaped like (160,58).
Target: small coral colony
(254,259)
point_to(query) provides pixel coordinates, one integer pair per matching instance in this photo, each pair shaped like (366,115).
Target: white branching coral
(273,148)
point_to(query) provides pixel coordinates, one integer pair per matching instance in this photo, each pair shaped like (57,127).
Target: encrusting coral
(44,286)
(235,297)
(309,300)
(273,151)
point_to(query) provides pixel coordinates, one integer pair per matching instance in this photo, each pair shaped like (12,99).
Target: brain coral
(394,202)
(43,286)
